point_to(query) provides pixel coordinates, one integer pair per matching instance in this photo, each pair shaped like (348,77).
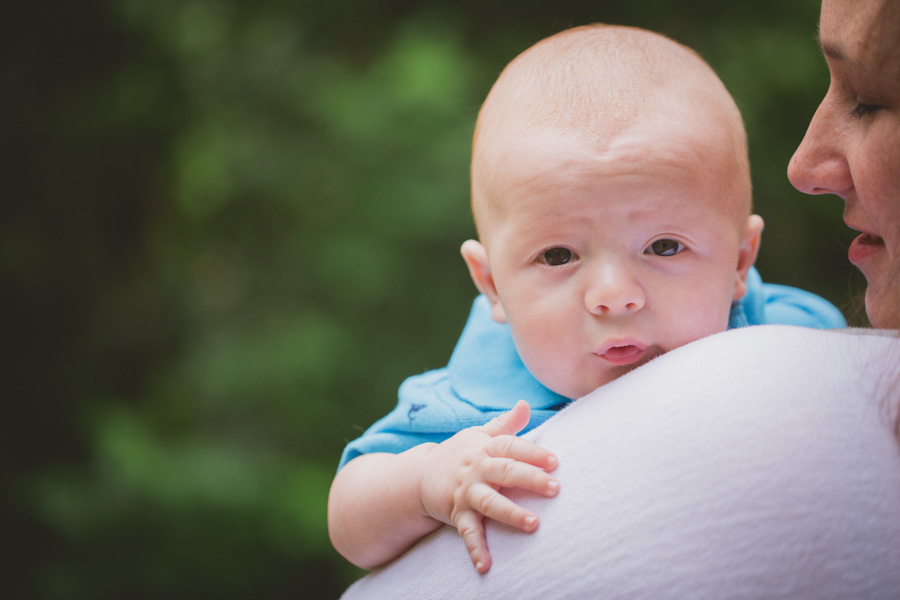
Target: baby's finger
(494,505)
(470,526)
(511,422)
(508,446)
(508,473)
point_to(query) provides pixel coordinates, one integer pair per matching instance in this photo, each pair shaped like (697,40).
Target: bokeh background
(230,229)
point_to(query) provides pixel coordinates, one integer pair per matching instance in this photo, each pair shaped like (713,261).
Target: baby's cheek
(700,324)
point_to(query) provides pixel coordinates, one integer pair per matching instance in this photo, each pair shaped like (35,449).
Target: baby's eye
(555,257)
(664,248)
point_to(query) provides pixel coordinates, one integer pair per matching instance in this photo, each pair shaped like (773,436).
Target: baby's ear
(475,255)
(747,254)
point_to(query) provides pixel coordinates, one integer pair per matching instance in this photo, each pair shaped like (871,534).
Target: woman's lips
(864,247)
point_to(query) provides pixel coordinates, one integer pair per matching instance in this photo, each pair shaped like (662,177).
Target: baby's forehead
(654,160)
(601,84)
(693,154)
(685,139)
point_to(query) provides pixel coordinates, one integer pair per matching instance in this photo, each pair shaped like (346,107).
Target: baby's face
(605,256)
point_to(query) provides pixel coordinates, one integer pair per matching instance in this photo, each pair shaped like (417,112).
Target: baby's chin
(608,376)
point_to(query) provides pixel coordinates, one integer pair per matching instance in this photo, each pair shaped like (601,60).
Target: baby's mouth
(623,353)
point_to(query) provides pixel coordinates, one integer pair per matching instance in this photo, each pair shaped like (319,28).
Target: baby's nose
(614,291)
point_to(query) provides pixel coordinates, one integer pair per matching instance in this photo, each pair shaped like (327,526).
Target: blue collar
(485,369)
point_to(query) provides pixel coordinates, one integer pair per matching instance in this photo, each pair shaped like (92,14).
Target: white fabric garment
(756,463)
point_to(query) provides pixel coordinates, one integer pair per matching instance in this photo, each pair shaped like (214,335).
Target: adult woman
(774,474)
(852,148)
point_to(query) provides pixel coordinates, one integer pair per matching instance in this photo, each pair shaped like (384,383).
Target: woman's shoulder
(743,461)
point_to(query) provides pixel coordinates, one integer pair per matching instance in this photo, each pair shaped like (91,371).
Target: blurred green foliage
(231,229)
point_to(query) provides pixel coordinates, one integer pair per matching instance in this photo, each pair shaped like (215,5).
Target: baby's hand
(463,474)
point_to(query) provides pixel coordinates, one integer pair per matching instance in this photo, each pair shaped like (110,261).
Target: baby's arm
(380,504)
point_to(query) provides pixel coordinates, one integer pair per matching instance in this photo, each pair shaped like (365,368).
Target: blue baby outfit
(485,376)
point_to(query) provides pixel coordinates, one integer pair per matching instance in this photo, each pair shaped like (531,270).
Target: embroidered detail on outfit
(413,409)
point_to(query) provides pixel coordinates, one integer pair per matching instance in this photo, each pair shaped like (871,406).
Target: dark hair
(855,310)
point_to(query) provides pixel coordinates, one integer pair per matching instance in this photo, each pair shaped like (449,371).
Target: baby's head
(611,193)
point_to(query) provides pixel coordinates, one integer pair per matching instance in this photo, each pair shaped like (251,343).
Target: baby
(612,198)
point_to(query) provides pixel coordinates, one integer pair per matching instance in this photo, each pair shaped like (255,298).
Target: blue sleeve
(419,417)
(429,411)
(484,378)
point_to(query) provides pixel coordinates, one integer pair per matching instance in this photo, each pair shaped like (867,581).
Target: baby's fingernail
(530,523)
(552,462)
(479,566)
(552,486)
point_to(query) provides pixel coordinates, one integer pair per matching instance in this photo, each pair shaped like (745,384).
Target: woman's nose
(819,166)
(614,290)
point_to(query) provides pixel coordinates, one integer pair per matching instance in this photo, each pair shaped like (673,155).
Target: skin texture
(852,146)
(611,146)
(410,494)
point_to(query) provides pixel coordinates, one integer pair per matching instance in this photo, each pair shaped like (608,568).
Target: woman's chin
(882,309)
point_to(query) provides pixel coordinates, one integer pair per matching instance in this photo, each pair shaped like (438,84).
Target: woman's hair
(855,310)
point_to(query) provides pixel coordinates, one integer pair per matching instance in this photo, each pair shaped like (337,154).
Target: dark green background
(231,229)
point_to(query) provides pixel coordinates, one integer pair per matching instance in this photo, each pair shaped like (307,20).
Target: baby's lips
(623,352)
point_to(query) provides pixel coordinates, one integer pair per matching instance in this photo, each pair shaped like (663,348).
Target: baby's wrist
(419,464)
